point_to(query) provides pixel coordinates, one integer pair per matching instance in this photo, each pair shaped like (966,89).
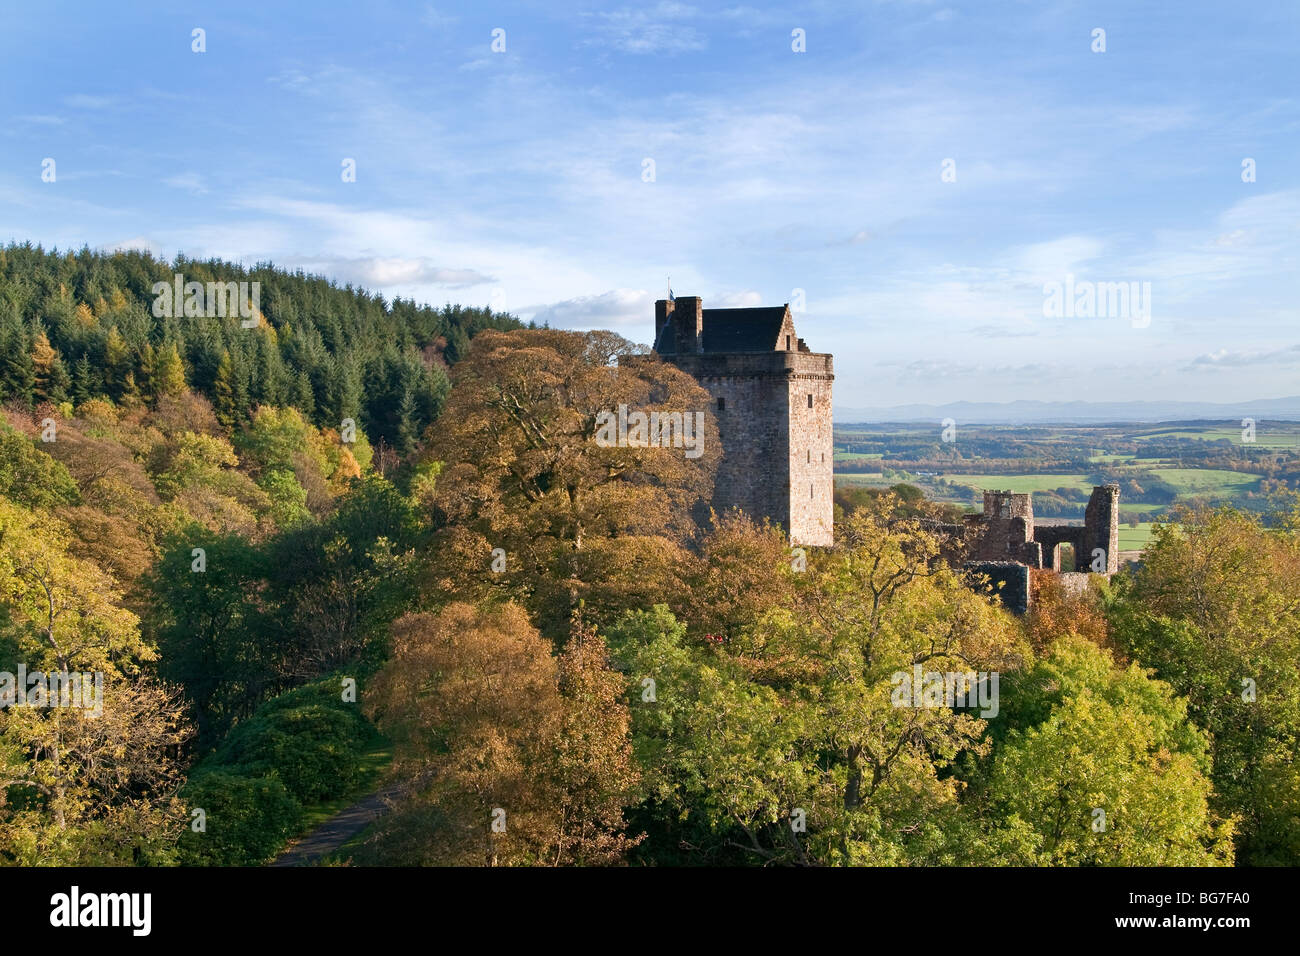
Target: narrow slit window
(810,492)
(810,456)
(787,343)
(810,399)
(722,404)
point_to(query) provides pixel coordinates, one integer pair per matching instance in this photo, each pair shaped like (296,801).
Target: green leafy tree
(815,731)
(82,782)
(1103,768)
(1214,611)
(30,477)
(210,628)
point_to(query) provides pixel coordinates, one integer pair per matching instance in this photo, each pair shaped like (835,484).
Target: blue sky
(515,178)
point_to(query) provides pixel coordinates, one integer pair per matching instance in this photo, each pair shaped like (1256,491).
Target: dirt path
(338,829)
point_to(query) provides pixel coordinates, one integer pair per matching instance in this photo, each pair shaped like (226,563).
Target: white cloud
(1226,358)
(391,272)
(617,307)
(641,31)
(1051,260)
(435,18)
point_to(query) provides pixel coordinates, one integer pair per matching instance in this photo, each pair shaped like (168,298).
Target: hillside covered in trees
(546,641)
(80,325)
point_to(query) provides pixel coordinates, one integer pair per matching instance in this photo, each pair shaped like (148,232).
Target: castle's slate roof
(733,330)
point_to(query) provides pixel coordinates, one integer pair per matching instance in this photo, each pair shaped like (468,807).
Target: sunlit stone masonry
(772,399)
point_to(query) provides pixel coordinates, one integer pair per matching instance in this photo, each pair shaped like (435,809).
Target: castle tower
(1008,529)
(1101,527)
(772,399)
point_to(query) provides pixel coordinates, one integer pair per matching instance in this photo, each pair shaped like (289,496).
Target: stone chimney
(687,317)
(688,323)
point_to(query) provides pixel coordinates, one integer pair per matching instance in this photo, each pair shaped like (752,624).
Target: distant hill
(1025,412)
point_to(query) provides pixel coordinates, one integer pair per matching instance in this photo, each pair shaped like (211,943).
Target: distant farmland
(1160,466)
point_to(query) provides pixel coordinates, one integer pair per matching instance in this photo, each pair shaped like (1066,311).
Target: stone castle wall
(812,452)
(777,452)
(1008,529)
(1009,580)
(1006,532)
(1101,527)
(1051,537)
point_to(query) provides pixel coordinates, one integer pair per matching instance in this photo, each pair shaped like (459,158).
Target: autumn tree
(518,757)
(742,571)
(30,477)
(527,472)
(1054,613)
(815,734)
(51,379)
(78,787)
(168,376)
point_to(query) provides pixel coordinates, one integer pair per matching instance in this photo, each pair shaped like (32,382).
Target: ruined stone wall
(1101,527)
(1008,529)
(1051,537)
(1008,579)
(1008,505)
(1074,584)
(1006,538)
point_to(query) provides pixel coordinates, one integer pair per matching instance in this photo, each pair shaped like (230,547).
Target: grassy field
(1022,483)
(1188,457)
(1267,435)
(1134,539)
(1207,481)
(1140,507)
(1213,483)
(872,478)
(857,456)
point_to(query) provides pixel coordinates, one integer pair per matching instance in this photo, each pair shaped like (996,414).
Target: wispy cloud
(391,272)
(617,307)
(662,28)
(1224,358)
